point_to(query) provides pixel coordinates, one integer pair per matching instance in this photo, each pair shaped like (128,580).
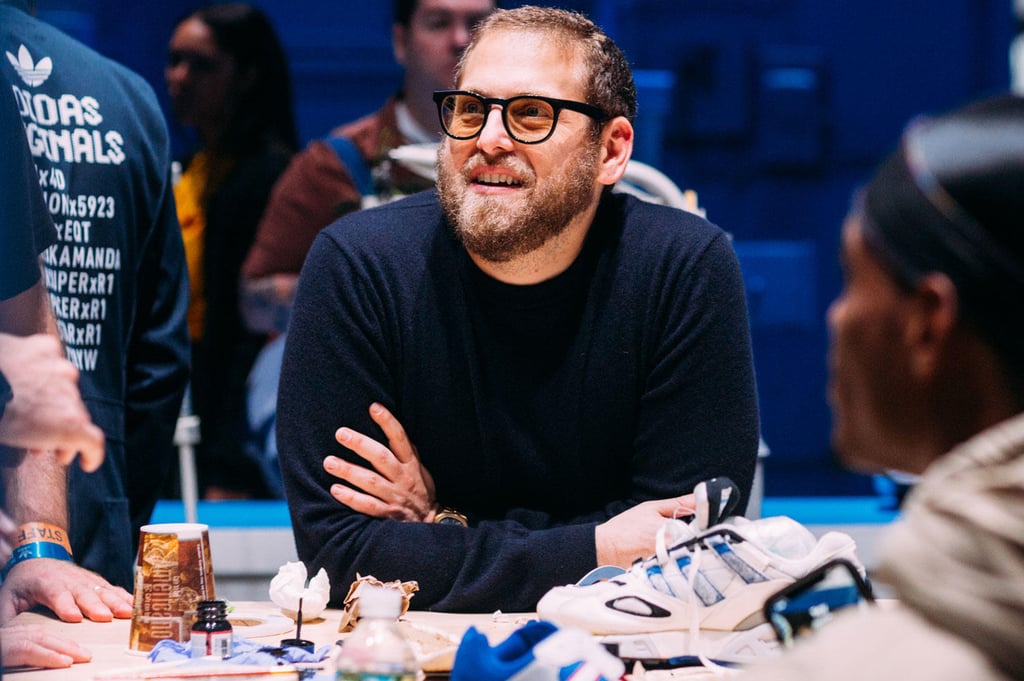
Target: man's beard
(501,228)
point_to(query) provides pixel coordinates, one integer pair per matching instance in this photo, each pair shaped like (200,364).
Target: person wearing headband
(927,376)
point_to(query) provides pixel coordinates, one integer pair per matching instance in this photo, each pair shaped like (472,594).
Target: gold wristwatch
(449,516)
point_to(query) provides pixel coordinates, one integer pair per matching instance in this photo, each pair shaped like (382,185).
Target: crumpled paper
(351,613)
(289,585)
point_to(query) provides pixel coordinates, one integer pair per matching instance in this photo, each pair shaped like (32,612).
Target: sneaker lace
(682,586)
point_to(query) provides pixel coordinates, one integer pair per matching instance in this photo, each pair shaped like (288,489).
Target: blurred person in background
(428,37)
(227,77)
(117,284)
(927,377)
(324,182)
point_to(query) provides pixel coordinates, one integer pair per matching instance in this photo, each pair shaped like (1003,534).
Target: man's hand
(267,302)
(46,412)
(70,591)
(397,487)
(631,534)
(33,646)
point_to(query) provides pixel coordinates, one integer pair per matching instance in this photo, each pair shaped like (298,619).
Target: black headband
(951,199)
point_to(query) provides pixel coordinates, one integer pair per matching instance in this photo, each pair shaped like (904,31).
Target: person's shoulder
(271,157)
(408,219)
(354,130)
(649,224)
(68,52)
(75,67)
(400,238)
(373,133)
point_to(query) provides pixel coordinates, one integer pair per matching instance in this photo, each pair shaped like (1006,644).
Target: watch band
(449,516)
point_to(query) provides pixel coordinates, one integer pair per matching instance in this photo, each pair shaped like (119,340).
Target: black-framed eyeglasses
(528,119)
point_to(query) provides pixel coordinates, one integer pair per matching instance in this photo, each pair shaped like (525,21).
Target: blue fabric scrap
(243,651)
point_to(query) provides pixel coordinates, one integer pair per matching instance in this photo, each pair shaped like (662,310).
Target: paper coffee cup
(173,573)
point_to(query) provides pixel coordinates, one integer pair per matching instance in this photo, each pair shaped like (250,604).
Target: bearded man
(529,371)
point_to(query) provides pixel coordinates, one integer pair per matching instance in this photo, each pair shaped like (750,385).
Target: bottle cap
(380,602)
(302,643)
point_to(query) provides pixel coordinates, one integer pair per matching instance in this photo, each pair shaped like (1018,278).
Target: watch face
(450,520)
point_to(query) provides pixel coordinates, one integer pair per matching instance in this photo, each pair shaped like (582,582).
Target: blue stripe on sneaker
(702,586)
(706,591)
(658,581)
(747,573)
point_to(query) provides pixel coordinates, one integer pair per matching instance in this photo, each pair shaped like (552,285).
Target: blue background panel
(772,110)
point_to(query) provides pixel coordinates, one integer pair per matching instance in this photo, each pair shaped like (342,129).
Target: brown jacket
(317,188)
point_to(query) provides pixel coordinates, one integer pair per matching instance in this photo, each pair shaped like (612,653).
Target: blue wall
(775,110)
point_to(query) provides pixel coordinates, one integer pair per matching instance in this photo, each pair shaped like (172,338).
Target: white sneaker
(701,595)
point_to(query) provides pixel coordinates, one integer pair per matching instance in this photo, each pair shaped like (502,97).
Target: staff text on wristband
(29,533)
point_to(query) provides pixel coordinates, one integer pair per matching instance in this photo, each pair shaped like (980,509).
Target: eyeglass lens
(526,119)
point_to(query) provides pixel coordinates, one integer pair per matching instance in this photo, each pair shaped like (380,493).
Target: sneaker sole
(677,649)
(738,612)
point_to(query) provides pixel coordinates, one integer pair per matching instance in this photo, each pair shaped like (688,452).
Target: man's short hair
(608,79)
(404,10)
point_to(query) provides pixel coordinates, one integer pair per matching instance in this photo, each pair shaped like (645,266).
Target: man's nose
(460,34)
(493,136)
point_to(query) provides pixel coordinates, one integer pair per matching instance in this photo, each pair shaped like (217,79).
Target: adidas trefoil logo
(33,74)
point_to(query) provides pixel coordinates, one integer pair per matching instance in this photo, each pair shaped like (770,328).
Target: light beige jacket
(956,562)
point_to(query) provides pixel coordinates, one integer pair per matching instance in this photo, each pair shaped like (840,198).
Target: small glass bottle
(376,649)
(212,633)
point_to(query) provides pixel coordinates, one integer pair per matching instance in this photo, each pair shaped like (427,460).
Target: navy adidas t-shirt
(116,275)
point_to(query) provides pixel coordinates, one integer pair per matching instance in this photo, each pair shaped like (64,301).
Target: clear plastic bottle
(376,649)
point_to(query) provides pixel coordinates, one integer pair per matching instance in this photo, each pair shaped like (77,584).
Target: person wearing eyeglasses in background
(494,387)
(320,185)
(228,80)
(428,37)
(927,377)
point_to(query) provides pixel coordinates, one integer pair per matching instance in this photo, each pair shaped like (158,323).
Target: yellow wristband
(30,533)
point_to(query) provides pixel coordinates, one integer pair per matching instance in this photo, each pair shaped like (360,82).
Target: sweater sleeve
(698,411)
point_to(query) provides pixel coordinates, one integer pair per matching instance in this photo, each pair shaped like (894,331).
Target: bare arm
(27,313)
(46,413)
(36,492)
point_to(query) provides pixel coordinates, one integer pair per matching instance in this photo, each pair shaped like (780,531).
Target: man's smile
(490,176)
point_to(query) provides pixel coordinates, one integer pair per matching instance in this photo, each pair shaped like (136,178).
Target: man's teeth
(496,179)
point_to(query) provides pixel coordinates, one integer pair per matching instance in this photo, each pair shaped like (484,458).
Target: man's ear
(616,148)
(398,35)
(932,314)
